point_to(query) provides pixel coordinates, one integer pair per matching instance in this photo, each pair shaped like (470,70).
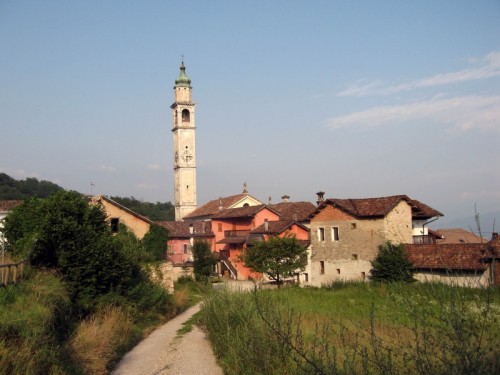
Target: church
(228,224)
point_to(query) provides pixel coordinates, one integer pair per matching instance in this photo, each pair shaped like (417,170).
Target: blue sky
(354,98)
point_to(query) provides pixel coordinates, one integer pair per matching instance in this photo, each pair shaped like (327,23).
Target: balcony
(236,233)
(424,240)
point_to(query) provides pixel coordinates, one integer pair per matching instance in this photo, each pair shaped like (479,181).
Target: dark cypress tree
(392,264)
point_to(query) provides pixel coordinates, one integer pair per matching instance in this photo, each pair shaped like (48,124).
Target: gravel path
(162,352)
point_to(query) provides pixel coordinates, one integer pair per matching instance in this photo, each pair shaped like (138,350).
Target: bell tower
(184,146)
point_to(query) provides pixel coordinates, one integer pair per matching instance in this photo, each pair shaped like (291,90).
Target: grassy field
(38,334)
(356,329)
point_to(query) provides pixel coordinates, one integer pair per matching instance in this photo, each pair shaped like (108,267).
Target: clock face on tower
(187,156)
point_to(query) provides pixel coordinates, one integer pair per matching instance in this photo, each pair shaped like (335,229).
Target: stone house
(346,233)
(471,265)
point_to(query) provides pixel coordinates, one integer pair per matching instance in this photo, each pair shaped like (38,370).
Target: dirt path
(162,352)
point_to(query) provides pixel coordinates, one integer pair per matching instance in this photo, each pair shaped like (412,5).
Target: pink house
(182,236)
(231,224)
(232,228)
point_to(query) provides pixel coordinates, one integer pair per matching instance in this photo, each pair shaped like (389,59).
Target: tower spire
(184,146)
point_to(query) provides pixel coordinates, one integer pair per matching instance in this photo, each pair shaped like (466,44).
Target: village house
(233,223)
(181,239)
(118,214)
(471,265)
(457,235)
(346,233)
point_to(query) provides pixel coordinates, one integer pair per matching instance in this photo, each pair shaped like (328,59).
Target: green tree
(278,257)
(392,264)
(204,260)
(155,242)
(65,233)
(23,189)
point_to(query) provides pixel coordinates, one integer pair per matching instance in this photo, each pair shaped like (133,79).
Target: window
(185,115)
(335,234)
(353,225)
(306,277)
(338,270)
(185,248)
(321,267)
(115,224)
(219,227)
(321,234)
(363,275)
(354,257)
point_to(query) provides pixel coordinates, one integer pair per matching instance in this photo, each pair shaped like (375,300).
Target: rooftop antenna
(91,188)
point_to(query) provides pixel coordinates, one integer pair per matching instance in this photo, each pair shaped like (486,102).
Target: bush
(392,264)
(155,242)
(33,323)
(204,260)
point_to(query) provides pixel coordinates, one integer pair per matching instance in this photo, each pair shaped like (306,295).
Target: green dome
(183,79)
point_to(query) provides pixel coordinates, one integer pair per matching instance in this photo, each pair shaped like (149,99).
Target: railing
(224,258)
(424,240)
(236,233)
(11,273)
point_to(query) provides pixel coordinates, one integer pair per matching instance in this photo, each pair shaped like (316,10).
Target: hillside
(12,189)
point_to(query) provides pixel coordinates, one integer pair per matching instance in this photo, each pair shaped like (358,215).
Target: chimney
(270,199)
(266,225)
(285,198)
(321,198)
(191,228)
(221,207)
(203,226)
(494,235)
(295,217)
(245,188)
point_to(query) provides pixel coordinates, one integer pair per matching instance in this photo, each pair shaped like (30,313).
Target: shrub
(392,264)
(204,260)
(33,323)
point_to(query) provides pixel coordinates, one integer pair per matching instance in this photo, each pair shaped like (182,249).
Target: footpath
(163,352)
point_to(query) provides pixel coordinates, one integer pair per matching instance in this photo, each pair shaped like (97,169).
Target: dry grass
(96,339)
(181,298)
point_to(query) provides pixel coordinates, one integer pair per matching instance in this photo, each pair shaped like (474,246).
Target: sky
(354,98)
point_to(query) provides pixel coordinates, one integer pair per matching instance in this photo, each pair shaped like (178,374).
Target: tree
(204,260)
(65,233)
(392,264)
(278,257)
(155,242)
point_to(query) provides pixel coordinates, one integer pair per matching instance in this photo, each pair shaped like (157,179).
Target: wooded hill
(12,189)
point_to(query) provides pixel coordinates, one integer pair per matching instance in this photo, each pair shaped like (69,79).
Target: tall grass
(32,315)
(356,329)
(97,340)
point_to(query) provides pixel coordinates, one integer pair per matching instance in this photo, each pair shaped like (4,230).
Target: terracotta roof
(9,205)
(182,229)
(378,207)
(240,212)
(212,207)
(297,211)
(448,256)
(458,235)
(276,227)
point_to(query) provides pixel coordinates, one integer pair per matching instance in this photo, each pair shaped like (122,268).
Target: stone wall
(349,256)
